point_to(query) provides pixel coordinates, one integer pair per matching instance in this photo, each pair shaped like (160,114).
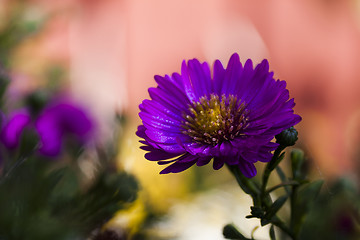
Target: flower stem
(261,196)
(280,224)
(264,194)
(284,184)
(247,185)
(270,166)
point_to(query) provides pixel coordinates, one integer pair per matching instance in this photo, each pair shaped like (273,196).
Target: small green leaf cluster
(298,191)
(38,202)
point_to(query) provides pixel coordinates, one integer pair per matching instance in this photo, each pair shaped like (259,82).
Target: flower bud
(288,137)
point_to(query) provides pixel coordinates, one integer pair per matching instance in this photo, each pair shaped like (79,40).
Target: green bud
(288,137)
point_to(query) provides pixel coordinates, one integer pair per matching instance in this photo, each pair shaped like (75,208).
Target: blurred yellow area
(131,218)
(159,194)
(159,190)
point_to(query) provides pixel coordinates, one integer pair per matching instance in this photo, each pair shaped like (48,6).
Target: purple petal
(188,88)
(74,120)
(200,79)
(168,100)
(194,148)
(218,163)
(248,169)
(171,148)
(179,166)
(246,80)
(226,149)
(157,155)
(60,119)
(231,160)
(155,108)
(232,75)
(171,89)
(164,136)
(203,161)
(219,75)
(10,134)
(166,162)
(50,136)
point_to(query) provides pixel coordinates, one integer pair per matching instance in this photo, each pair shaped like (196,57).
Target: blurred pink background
(113,48)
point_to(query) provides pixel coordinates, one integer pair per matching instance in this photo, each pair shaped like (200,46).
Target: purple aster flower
(11,132)
(58,120)
(230,116)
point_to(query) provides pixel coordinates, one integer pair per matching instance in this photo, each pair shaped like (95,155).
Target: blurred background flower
(107,52)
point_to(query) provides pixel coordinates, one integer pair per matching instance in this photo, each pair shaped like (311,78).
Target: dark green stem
(264,194)
(280,224)
(246,184)
(269,167)
(260,195)
(295,228)
(10,169)
(284,184)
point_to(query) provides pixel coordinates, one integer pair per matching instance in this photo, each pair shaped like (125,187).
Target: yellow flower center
(214,120)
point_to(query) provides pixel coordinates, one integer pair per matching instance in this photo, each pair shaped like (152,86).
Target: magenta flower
(230,116)
(58,120)
(11,132)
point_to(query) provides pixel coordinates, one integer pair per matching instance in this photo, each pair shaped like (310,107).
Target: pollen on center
(213,120)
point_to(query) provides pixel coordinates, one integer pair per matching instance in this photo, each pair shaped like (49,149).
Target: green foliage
(37,202)
(275,207)
(298,190)
(297,161)
(334,213)
(303,203)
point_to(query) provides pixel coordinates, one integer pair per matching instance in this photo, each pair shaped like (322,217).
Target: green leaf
(67,185)
(28,142)
(275,207)
(309,192)
(272,233)
(281,174)
(248,185)
(230,232)
(305,198)
(283,178)
(109,193)
(297,161)
(273,164)
(264,222)
(284,184)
